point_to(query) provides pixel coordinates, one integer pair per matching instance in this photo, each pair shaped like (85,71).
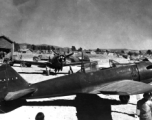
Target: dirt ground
(95,107)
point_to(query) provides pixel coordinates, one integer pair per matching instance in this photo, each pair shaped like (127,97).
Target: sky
(88,24)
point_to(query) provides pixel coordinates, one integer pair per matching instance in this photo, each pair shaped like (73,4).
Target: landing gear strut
(124,98)
(47,71)
(70,71)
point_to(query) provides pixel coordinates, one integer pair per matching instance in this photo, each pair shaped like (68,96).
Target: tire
(11,63)
(35,59)
(124,98)
(23,64)
(28,65)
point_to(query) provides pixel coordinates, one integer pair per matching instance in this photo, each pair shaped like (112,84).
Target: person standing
(144,107)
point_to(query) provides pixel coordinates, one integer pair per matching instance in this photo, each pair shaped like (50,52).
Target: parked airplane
(57,63)
(71,58)
(123,81)
(114,63)
(78,57)
(137,59)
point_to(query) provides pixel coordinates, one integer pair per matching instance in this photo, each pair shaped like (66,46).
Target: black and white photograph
(76,59)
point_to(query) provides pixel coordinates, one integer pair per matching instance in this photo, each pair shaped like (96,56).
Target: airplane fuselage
(122,81)
(84,82)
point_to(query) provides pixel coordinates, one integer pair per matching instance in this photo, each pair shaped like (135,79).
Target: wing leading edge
(124,87)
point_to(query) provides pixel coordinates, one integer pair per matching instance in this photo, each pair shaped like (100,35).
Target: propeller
(62,57)
(59,60)
(55,52)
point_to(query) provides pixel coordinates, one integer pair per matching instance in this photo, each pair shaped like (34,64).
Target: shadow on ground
(88,107)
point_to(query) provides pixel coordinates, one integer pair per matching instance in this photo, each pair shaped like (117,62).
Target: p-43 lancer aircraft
(123,81)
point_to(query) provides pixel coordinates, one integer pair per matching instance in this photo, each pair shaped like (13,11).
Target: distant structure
(6,45)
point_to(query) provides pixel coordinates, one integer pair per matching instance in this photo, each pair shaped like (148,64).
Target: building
(6,45)
(26,51)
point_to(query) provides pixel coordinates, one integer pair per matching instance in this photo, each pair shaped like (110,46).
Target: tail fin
(11,79)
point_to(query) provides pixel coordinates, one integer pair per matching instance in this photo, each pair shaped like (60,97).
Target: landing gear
(36,59)
(28,65)
(11,63)
(23,64)
(47,71)
(124,98)
(70,71)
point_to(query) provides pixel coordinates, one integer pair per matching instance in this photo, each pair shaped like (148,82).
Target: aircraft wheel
(35,59)
(124,98)
(23,64)
(11,63)
(28,65)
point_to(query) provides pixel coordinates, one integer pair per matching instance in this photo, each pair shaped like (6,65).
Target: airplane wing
(124,87)
(18,94)
(30,62)
(74,63)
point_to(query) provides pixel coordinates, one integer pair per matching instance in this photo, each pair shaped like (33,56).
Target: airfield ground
(96,107)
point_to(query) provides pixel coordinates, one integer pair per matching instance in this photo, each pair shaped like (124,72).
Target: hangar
(6,45)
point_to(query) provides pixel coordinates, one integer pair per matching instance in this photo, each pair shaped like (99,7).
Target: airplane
(57,63)
(137,59)
(78,57)
(70,58)
(123,81)
(114,63)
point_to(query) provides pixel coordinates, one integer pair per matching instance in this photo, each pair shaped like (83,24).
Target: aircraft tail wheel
(124,98)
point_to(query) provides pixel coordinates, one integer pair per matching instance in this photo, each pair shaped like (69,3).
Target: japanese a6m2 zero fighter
(123,81)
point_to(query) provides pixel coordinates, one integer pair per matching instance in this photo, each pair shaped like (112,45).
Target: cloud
(85,23)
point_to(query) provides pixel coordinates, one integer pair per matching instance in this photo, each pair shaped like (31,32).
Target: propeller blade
(69,55)
(55,52)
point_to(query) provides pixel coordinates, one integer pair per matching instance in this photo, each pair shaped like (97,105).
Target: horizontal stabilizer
(125,87)
(18,94)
